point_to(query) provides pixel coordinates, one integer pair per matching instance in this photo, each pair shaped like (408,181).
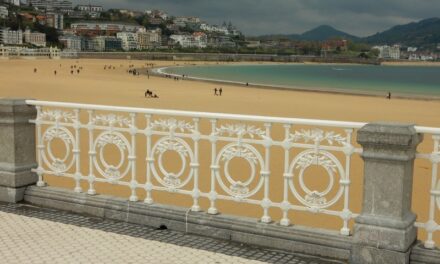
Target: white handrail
(207,115)
(267,119)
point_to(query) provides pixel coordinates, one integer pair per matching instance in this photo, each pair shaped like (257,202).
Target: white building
(35,38)
(387,52)
(71,42)
(11,37)
(214,29)
(196,40)
(4,12)
(149,39)
(50,5)
(55,20)
(99,26)
(13,2)
(129,40)
(184,21)
(90,8)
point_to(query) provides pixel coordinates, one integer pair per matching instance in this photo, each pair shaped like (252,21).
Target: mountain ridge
(423,33)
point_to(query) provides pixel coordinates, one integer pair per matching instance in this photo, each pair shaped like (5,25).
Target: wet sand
(94,85)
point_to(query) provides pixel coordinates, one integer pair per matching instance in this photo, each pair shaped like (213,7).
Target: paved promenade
(34,235)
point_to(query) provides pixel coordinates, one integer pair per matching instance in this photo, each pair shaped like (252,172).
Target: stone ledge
(421,255)
(298,239)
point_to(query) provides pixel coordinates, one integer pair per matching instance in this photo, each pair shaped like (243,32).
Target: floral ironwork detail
(172,180)
(314,159)
(240,130)
(171,145)
(318,136)
(172,125)
(58,115)
(59,165)
(239,152)
(111,139)
(315,198)
(51,134)
(112,173)
(112,120)
(239,189)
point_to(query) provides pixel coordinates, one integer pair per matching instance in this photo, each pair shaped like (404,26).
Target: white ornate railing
(304,144)
(431,226)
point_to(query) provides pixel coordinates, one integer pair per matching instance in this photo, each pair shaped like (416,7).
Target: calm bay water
(404,80)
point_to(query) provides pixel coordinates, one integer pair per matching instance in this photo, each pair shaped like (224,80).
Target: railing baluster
(77,152)
(195,166)
(132,159)
(213,194)
(40,147)
(431,224)
(287,177)
(266,202)
(150,160)
(92,154)
(346,213)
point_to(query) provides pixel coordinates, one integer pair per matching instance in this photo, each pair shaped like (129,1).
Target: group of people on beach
(173,77)
(134,72)
(150,94)
(109,67)
(74,68)
(218,92)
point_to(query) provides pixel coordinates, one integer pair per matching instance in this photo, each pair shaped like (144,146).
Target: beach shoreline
(161,72)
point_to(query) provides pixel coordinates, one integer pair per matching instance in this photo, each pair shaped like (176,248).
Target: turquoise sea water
(404,80)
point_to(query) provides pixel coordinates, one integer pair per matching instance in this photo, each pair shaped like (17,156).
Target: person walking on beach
(220,91)
(55,73)
(215,91)
(389,96)
(35,70)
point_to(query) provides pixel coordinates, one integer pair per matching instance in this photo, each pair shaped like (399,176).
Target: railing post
(385,231)
(17,149)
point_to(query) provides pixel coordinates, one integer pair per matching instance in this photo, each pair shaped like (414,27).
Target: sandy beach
(94,85)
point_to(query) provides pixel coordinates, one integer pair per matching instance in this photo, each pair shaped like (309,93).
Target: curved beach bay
(408,81)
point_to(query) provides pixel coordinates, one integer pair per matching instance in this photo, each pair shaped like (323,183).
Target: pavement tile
(35,235)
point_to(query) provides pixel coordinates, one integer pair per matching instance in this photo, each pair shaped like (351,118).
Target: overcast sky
(256,17)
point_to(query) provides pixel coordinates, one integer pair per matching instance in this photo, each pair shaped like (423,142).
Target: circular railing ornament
(238,189)
(112,172)
(170,179)
(312,198)
(58,164)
